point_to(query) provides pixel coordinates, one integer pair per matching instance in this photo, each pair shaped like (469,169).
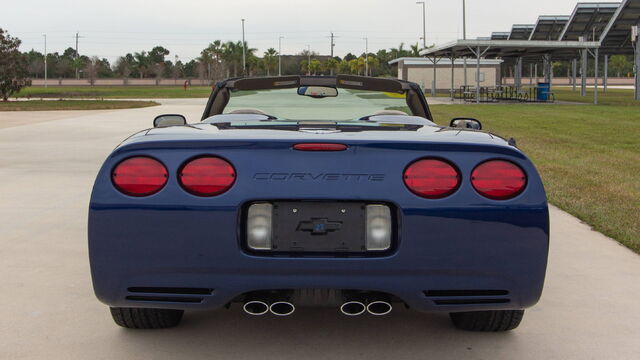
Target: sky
(109,29)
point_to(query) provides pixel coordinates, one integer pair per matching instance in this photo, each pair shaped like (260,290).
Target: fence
(121,82)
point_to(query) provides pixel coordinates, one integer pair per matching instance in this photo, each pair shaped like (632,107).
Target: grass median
(588,157)
(42,105)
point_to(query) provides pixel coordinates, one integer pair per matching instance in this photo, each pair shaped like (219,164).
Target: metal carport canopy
(509,48)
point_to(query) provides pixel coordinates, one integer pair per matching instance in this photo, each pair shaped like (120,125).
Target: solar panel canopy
(616,37)
(500,35)
(589,21)
(549,27)
(521,31)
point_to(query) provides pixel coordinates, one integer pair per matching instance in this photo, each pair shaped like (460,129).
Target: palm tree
(142,63)
(331,65)
(270,60)
(232,54)
(374,63)
(314,66)
(415,50)
(211,57)
(344,67)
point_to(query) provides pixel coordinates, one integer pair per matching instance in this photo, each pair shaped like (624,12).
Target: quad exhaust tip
(379,308)
(256,307)
(282,308)
(353,308)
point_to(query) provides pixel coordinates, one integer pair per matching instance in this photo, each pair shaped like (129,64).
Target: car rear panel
(460,253)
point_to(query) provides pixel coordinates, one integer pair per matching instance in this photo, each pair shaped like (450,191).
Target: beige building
(420,71)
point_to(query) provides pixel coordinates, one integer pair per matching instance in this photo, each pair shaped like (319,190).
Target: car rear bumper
(479,259)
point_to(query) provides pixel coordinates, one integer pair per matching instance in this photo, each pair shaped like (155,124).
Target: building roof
(427,61)
(549,27)
(588,20)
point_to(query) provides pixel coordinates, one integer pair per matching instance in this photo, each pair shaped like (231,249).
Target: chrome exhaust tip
(282,308)
(256,307)
(353,308)
(379,308)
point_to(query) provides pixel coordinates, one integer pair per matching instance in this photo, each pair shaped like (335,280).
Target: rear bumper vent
(467,297)
(173,299)
(169,294)
(171,290)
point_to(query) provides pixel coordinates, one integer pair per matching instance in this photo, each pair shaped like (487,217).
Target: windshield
(286,104)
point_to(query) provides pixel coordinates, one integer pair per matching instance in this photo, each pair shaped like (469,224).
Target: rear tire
(143,318)
(496,320)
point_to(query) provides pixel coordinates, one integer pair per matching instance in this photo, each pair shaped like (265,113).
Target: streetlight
(366,59)
(280,55)
(244,55)
(45,60)
(464,36)
(424,23)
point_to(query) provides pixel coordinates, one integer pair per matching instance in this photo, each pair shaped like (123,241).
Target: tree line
(218,60)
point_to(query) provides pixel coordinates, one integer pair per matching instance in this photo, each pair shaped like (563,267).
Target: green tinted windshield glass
(287,104)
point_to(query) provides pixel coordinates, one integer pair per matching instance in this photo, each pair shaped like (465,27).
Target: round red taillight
(139,176)
(432,178)
(498,179)
(207,176)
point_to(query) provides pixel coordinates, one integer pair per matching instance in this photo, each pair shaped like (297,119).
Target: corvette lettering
(318,177)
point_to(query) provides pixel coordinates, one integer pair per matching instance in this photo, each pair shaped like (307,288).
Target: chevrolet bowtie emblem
(320,226)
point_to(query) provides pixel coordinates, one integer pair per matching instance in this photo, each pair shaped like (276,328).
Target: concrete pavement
(589,309)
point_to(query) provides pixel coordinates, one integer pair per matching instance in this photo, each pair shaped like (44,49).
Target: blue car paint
(175,239)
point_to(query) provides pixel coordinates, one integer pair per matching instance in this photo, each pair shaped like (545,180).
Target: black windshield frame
(223,90)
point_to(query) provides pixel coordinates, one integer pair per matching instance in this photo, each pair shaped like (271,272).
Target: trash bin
(543,91)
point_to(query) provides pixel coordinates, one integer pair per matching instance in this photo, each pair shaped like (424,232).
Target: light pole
(280,55)
(464,36)
(244,54)
(45,60)
(366,56)
(424,23)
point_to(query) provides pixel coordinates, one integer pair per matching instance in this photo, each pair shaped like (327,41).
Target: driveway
(589,309)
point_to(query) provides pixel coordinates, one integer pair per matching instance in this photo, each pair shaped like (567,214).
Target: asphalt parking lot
(48,161)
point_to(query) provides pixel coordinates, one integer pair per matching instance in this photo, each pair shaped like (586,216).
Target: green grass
(116,92)
(611,97)
(41,105)
(588,157)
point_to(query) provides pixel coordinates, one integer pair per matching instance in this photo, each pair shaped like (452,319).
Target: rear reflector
(498,179)
(432,178)
(139,176)
(319,147)
(207,176)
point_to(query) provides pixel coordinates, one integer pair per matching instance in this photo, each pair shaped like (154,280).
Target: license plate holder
(319,227)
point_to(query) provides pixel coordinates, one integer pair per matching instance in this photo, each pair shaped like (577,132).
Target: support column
(596,55)
(535,69)
(531,74)
(605,81)
(478,76)
(435,70)
(637,66)
(518,74)
(574,71)
(550,74)
(465,72)
(453,71)
(583,73)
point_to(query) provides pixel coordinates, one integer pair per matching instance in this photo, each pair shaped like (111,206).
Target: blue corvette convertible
(313,200)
